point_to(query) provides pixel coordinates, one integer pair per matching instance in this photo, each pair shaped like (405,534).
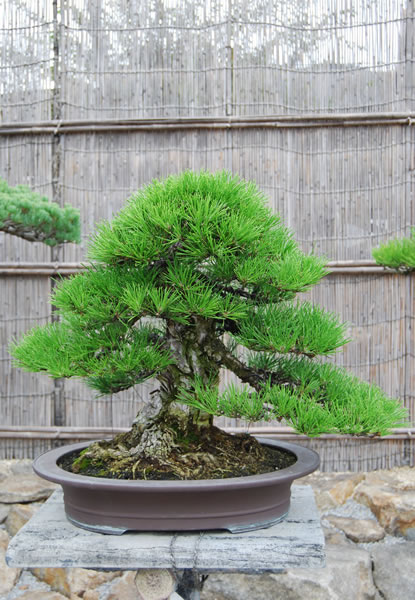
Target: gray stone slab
(49,540)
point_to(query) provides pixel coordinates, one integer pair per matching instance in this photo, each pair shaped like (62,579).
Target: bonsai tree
(397,254)
(32,217)
(194,275)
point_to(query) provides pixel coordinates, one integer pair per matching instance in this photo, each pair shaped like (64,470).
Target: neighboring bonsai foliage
(194,275)
(32,217)
(397,254)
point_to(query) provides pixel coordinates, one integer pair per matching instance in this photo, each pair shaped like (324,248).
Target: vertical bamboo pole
(228,154)
(229,61)
(409,216)
(58,396)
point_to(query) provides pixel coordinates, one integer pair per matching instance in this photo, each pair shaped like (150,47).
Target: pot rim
(46,467)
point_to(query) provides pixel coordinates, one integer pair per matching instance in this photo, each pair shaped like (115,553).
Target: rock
(123,588)
(12,466)
(18,515)
(4,469)
(21,466)
(25,488)
(347,576)
(332,489)
(8,575)
(81,580)
(4,511)
(390,495)
(154,584)
(351,510)
(332,536)
(393,570)
(41,595)
(28,583)
(56,578)
(343,489)
(73,582)
(400,478)
(91,595)
(234,586)
(358,530)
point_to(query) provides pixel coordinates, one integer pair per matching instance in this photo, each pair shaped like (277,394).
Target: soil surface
(206,454)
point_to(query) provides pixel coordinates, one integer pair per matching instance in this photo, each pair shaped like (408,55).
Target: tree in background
(397,254)
(28,215)
(196,274)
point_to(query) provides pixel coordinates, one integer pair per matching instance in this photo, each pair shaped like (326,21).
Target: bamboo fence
(313,101)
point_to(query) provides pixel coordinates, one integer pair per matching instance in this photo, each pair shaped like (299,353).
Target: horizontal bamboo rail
(55,127)
(62,433)
(335,267)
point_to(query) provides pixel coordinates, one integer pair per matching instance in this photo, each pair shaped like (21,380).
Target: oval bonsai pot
(118,505)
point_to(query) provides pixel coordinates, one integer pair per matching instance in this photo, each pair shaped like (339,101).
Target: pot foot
(107,529)
(255,526)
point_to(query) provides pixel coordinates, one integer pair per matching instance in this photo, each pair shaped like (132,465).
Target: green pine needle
(397,254)
(32,217)
(112,353)
(292,328)
(330,401)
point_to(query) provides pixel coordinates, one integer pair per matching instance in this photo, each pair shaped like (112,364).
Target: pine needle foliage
(186,261)
(397,254)
(292,328)
(28,215)
(315,398)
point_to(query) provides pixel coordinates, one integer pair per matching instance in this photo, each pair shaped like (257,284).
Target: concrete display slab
(49,540)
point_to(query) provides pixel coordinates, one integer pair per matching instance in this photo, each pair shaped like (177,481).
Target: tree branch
(27,232)
(171,252)
(98,382)
(257,379)
(228,289)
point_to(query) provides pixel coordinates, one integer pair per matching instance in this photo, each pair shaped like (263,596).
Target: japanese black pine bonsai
(194,275)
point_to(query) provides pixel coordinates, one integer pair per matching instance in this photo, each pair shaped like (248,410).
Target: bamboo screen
(313,100)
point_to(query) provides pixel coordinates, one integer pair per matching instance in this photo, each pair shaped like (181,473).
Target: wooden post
(58,396)
(154,584)
(190,584)
(164,584)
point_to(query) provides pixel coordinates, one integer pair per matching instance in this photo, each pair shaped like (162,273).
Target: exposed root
(154,443)
(148,413)
(177,449)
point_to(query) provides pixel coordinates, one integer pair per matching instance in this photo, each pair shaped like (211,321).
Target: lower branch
(27,232)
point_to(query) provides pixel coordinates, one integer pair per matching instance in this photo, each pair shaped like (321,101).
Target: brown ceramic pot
(237,504)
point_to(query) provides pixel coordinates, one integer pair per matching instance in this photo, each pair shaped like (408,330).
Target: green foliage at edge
(397,254)
(26,214)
